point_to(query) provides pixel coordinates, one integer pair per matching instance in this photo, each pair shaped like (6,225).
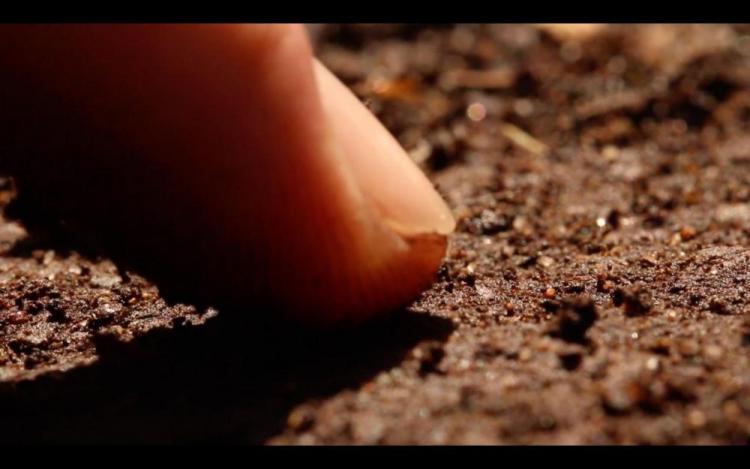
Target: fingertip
(403,196)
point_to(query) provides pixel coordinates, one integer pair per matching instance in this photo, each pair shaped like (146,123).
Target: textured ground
(595,290)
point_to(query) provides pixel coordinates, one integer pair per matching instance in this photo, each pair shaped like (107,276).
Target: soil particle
(429,356)
(636,300)
(571,360)
(574,318)
(746,333)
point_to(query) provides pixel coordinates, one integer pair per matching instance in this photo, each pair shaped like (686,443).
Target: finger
(204,157)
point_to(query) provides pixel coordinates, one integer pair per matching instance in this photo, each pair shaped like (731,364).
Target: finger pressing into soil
(202,156)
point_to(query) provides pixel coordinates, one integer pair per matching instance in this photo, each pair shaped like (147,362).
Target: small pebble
(476,112)
(696,419)
(610,152)
(687,233)
(713,352)
(545,261)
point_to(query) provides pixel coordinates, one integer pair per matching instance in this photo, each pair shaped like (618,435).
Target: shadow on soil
(230,380)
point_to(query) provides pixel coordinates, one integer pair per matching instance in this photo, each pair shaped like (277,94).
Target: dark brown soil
(594,292)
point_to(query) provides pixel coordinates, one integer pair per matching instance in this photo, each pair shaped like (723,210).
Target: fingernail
(403,197)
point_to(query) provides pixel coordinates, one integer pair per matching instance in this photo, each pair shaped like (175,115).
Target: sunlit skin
(221,161)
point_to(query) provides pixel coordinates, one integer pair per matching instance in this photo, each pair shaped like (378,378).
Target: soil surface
(595,290)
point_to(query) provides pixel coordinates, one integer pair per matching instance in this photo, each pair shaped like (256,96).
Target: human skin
(221,161)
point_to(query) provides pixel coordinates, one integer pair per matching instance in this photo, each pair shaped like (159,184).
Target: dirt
(594,291)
